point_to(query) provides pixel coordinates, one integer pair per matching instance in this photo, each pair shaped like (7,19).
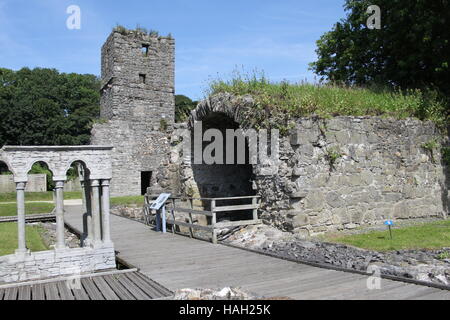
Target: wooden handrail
(187,210)
(236,207)
(214,209)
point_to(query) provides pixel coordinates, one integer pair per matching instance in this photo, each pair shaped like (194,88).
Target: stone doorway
(222,180)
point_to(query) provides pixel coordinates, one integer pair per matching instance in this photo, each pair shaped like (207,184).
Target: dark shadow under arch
(223,180)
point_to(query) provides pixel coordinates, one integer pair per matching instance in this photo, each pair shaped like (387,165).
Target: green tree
(45,107)
(411,50)
(183,106)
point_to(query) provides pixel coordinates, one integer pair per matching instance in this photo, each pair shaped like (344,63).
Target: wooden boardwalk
(178,262)
(119,285)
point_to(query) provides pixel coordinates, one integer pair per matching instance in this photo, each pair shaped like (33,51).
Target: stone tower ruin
(137,107)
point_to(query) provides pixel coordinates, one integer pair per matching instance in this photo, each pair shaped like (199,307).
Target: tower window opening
(142,78)
(145,48)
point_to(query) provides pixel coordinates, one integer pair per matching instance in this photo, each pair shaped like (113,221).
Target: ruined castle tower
(137,107)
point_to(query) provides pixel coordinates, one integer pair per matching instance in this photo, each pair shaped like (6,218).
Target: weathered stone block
(315,200)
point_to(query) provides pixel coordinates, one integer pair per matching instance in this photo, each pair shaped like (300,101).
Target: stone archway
(222,179)
(231,106)
(98,252)
(225,179)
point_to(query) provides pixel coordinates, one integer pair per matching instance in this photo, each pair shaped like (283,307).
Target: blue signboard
(389,222)
(157,204)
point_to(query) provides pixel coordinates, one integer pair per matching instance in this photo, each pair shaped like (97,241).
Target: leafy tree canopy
(411,50)
(183,106)
(45,107)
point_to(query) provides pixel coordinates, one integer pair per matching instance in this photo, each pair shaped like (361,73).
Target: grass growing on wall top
(278,102)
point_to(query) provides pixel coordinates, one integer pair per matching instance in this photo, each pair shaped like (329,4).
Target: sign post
(159,206)
(389,223)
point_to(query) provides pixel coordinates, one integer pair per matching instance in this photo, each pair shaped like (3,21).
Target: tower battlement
(137,73)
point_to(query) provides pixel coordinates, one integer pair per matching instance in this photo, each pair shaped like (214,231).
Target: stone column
(95,209)
(83,195)
(105,212)
(60,241)
(89,223)
(20,194)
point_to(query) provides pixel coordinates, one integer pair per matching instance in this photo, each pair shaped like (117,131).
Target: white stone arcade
(97,250)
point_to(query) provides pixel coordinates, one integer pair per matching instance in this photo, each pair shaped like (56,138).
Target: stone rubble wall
(383,172)
(136,148)
(340,173)
(54,263)
(423,265)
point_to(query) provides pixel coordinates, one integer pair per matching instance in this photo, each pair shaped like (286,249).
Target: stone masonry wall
(381,170)
(340,173)
(54,263)
(36,183)
(138,107)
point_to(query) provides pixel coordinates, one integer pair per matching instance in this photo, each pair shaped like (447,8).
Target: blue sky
(213,38)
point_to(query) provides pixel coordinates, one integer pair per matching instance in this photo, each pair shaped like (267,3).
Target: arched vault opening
(224,179)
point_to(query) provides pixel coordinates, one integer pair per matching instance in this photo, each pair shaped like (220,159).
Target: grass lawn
(39,196)
(139,200)
(8,238)
(10,209)
(434,235)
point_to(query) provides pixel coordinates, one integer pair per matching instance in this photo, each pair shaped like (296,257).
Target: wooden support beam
(190,225)
(236,207)
(237,223)
(191,211)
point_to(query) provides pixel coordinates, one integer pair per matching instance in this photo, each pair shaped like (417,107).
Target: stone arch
(7,165)
(225,103)
(49,165)
(83,161)
(38,183)
(217,180)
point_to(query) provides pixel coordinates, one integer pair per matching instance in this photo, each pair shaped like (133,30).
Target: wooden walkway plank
(179,262)
(105,288)
(154,284)
(11,294)
(119,290)
(64,291)
(398,291)
(37,292)
(80,294)
(433,296)
(91,289)
(51,291)
(150,290)
(24,293)
(137,292)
